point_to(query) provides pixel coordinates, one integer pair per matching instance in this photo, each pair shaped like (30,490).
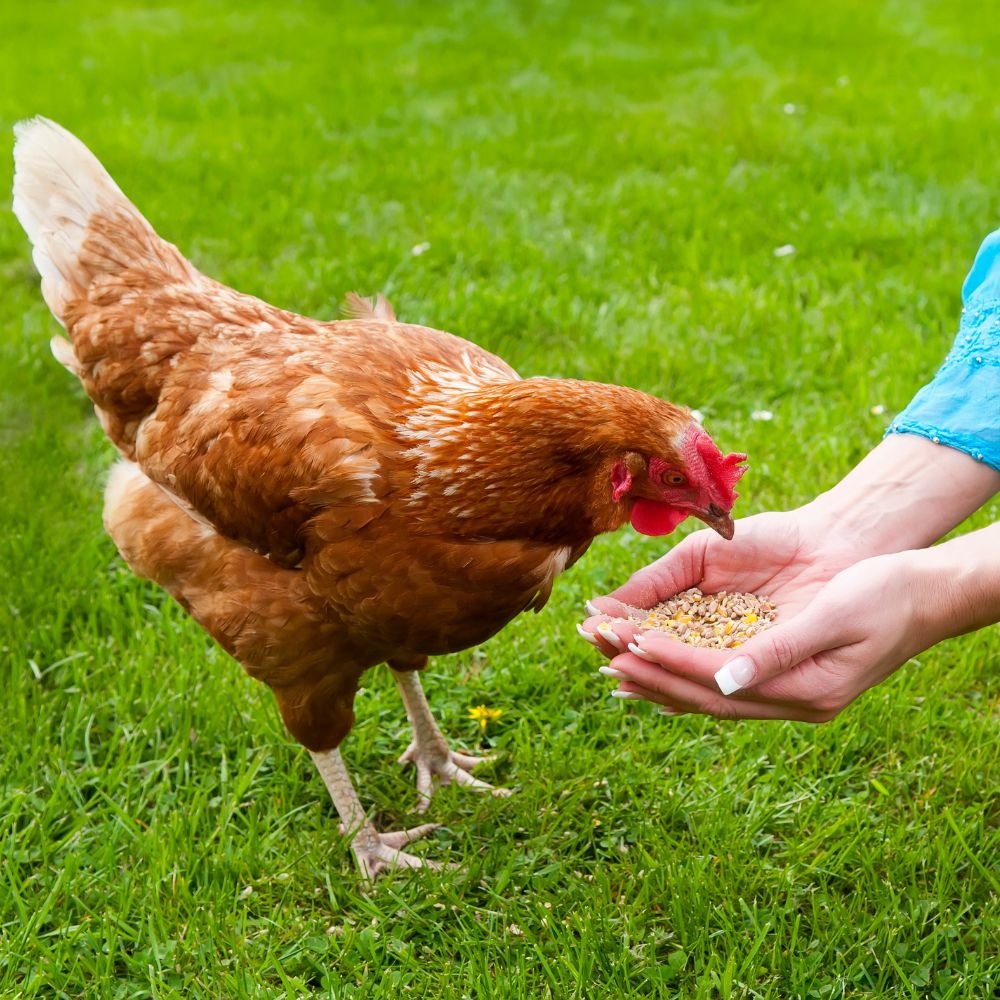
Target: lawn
(601,189)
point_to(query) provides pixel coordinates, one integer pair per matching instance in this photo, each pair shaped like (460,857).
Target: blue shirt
(961,406)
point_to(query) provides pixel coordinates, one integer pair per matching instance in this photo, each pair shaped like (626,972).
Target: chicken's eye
(674,479)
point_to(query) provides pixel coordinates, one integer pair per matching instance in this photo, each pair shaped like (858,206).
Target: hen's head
(690,477)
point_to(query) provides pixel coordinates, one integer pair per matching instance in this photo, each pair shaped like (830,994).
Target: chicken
(326,497)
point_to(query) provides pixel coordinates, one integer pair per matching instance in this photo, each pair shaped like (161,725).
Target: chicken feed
(720,621)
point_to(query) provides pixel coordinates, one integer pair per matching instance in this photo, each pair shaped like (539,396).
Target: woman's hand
(833,639)
(779,556)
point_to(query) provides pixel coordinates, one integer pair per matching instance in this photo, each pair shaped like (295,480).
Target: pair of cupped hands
(843,623)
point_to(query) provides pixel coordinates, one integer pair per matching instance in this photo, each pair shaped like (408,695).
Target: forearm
(905,494)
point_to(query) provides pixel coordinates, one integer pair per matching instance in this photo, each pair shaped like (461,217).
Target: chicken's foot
(375,852)
(429,751)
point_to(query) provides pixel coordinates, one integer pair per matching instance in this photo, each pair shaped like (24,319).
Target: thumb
(678,569)
(782,647)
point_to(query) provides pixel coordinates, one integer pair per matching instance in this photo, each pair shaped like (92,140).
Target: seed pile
(721,620)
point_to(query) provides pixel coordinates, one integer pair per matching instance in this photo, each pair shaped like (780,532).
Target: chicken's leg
(429,752)
(375,852)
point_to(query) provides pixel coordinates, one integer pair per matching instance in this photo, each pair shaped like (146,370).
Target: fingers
(636,692)
(610,637)
(697,663)
(777,651)
(769,655)
(674,688)
(609,607)
(682,679)
(657,685)
(616,636)
(684,697)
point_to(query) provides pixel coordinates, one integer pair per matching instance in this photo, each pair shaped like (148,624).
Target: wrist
(959,583)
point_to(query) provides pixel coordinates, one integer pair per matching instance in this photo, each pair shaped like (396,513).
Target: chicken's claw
(446,765)
(382,852)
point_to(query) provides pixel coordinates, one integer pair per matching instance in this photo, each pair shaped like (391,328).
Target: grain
(720,621)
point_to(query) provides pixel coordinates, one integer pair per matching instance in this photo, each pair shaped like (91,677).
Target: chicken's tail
(83,230)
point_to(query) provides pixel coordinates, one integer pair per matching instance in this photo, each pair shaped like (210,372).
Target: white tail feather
(58,186)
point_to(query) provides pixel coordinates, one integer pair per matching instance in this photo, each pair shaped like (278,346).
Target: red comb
(724,470)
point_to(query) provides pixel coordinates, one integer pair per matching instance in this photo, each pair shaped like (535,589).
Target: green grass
(602,187)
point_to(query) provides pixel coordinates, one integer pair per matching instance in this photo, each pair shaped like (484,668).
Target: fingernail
(626,695)
(611,672)
(591,609)
(736,674)
(664,710)
(608,634)
(584,634)
(633,648)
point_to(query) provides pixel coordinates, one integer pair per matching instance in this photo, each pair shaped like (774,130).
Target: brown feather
(358,307)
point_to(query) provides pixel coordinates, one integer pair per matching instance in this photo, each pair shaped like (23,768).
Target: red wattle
(652,518)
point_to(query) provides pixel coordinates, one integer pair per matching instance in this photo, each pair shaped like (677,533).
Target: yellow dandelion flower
(484,716)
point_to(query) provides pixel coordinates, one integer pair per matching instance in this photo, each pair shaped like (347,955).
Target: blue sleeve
(961,406)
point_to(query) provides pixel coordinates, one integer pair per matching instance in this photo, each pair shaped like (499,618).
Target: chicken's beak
(718,519)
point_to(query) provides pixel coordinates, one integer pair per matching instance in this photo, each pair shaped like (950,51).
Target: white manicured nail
(627,695)
(611,672)
(664,710)
(736,674)
(608,634)
(633,648)
(591,610)
(584,634)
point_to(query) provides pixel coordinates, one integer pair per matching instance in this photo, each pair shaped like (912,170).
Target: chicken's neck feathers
(531,457)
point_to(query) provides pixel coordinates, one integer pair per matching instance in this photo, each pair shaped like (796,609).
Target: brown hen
(326,497)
